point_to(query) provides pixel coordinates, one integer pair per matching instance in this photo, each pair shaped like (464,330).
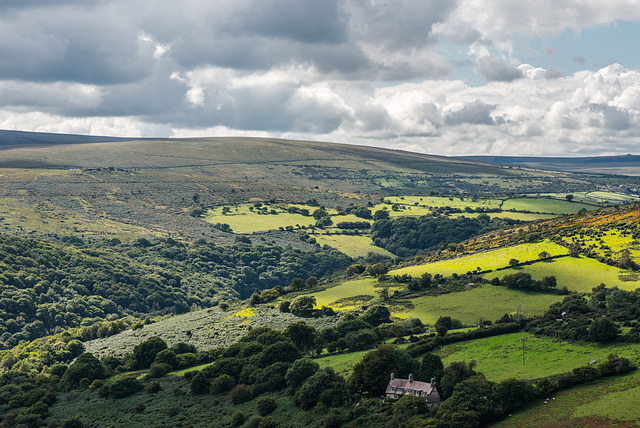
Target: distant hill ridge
(13,139)
(623,164)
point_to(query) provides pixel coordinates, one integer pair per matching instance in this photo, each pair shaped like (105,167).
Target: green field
(545,205)
(242,220)
(577,274)
(500,357)
(365,287)
(486,260)
(486,302)
(609,402)
(352,245)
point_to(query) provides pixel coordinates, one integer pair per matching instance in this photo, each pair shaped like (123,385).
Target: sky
(448,77)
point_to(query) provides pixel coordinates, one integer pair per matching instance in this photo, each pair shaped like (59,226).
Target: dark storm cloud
(477,113)
(495,68)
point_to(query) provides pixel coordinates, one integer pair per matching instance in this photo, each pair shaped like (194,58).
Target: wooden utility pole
(524,339)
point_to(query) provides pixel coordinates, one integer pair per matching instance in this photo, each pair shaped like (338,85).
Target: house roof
(403,386)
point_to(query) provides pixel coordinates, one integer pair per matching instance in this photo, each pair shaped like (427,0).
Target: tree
(371,374)
(514,262)
(376,315)
(431,367)
(297,284)
(303,336)
(455,373)
(300,371)
(302,305)
(569,198)
(603,330)
(86,366)
(145,353)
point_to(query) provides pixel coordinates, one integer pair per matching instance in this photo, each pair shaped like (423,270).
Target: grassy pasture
(577,274)
(242,220)
(500,357)
(486,302)
(352,245)
(609,402)
(348,289)
(544,205)
(486,260)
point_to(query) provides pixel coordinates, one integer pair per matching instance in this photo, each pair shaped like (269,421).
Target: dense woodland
(408,236)
(48,287)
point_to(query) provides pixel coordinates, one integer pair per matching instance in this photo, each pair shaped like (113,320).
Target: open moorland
(263,282)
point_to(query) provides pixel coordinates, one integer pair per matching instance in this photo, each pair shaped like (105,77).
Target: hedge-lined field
(488,260)
(500,357)
(577,274)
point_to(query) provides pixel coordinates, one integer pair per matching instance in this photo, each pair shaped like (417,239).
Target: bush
(240,394)
(159,370)
(154,387)
(222,383)
(144,354)
(266,405)
(237,419)
(124,387)
(167,356)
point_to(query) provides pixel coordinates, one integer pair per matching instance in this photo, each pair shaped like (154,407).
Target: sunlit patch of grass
(352,245)
(500,357)
(492,259)
(349,289)
(486,302)
(545,205)
(577,274)
(605,402)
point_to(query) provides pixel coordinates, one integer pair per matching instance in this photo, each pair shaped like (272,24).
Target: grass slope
(608,402)
(577,274)
(500,357)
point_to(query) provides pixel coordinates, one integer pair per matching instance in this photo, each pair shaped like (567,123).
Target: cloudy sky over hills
(528,77)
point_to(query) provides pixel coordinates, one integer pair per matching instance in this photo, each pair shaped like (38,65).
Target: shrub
(240,394)
(145,353)
(266,405)
(222,383)
(154,387)
(159,370)
(167,356)
(237,419)
(124,387)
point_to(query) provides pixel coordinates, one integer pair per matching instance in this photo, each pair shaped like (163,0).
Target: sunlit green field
(348,289)
(487,260)
(545,205)
(352,245)
(500,357)
(577,274)
(242,220)
(486,302)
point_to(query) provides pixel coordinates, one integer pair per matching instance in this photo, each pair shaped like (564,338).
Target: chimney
(411,378)
(393,376)
(433,382)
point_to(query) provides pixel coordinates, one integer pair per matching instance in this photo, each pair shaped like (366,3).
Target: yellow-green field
(486,260)
(486,302)
(349,289)
(545,205)
(242,220)
(577,274)
(352,245)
